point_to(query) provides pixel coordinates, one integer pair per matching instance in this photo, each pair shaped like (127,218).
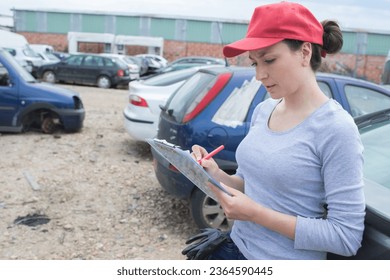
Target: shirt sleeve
(341,231)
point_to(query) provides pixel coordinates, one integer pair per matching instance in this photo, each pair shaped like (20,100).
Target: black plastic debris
(32,220)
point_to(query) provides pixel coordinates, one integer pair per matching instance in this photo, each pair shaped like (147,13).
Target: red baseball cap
(273,23)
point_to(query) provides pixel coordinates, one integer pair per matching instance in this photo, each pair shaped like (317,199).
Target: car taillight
(173,168)
(202,101)
(138,101)
(120,73)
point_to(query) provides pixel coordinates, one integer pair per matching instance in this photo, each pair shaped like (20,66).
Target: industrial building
(363,54)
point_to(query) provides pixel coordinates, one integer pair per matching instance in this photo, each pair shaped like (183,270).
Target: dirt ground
(87,195)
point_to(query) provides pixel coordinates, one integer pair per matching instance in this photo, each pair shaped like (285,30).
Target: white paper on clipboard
(187,165)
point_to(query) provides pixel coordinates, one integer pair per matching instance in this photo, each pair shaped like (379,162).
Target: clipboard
(187,165)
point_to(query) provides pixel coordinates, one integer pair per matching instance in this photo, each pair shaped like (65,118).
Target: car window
(4,77)
(376,142)
(364,100)
(120,62)
(74,60)
(185,96)
(181,60)
(325,89)
(109,62)
(24,74)
(92,61)
(11,51)
(29,52)
(234,110)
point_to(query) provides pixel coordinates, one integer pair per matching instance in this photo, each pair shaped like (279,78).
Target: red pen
(212,153)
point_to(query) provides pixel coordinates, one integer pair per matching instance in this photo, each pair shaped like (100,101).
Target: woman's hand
(209,165)
(238,206)
(241,207)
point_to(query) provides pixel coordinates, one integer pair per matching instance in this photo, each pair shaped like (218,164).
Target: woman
(297,192)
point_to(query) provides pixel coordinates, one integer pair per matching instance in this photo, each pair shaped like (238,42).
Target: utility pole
(361,48)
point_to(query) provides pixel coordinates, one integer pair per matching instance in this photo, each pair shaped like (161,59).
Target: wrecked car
(26,104)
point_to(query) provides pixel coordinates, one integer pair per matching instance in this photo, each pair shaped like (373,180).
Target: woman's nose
(261,74)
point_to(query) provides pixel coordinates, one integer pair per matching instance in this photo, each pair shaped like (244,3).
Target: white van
(42,48)
(18,46)
(46,53)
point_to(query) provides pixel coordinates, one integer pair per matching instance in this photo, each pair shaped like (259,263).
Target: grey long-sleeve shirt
(299,171)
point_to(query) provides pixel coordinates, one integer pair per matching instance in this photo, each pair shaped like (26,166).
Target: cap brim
(248,44)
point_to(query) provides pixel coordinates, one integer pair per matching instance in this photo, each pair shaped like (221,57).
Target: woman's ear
(306,53)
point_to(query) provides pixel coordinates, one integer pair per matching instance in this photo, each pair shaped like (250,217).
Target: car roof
(233,69)
(342,77)
(199,57)
(164,78)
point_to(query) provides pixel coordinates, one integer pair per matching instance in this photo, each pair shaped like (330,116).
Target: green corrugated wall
(191,30)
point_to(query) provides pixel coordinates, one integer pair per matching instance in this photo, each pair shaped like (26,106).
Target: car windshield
(234,110)
(30,52)
(376,142)
(20,69)
(185,96)
(51,56)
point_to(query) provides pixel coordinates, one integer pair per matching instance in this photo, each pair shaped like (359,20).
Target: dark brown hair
(332,43)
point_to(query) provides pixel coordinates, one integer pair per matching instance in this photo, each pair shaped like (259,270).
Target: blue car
(214,108)
(26,104)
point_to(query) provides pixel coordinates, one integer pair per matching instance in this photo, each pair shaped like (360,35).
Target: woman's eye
(269,61)
(254,64)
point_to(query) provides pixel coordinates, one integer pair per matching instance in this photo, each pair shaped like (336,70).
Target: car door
(364,100)
(68,70)
(91,68)
(8,99)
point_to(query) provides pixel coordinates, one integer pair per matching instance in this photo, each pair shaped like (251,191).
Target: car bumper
(138,129)
(122,81)
(134,76)
(72,120)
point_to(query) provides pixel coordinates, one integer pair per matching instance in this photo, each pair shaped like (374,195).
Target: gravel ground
(93,194)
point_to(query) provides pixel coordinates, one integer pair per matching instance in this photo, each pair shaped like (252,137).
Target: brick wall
(58,41)
(366,67)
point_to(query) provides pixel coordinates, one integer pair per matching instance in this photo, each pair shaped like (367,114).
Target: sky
(368,15)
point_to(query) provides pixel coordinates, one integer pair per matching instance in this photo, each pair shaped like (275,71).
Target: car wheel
(104,82)
(206,212)
(49,77)
(48,125)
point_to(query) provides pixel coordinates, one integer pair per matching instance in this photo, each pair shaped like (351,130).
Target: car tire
(206,212)
(49,77)
(103,82)
(49,125)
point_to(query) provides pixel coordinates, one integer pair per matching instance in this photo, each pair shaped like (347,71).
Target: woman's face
(279,69)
